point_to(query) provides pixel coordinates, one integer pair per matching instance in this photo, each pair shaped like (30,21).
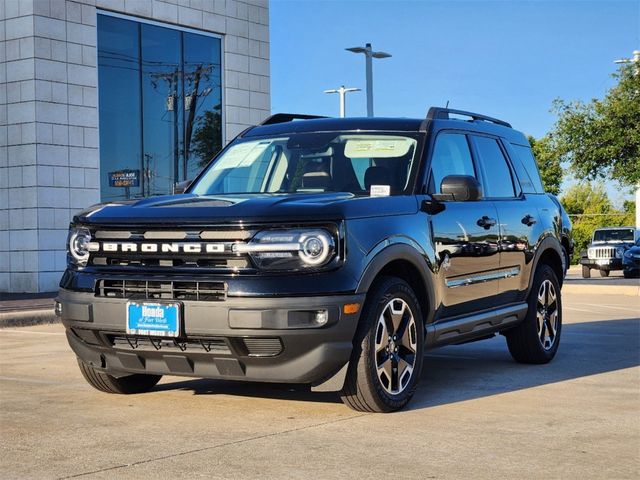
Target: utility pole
(369,55)
(342,92)
(636,61)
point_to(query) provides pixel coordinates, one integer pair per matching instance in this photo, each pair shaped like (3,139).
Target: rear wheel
(586,272)
(604,273)
(136,383)
(536,339)
(386,361)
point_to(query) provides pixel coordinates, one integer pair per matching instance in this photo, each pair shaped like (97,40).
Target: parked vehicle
(606,250)
(631,261)
(326,252)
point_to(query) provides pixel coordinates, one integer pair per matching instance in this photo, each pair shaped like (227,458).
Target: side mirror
(461,188)
(181,187)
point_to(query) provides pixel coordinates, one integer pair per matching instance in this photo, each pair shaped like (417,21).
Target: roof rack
(287,117)
(443,114)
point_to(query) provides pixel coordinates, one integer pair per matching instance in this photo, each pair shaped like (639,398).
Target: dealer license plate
(153,319)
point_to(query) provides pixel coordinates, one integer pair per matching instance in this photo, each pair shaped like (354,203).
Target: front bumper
(602,264)
(236,339)
(631,264)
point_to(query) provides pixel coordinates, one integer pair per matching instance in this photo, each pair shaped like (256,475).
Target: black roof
(336,124)
(280,124)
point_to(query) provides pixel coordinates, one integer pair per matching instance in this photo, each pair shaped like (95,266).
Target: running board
(446,332)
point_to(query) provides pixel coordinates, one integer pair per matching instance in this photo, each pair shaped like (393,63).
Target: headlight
(628,254)
(78,245)
(290,249)
(619,252)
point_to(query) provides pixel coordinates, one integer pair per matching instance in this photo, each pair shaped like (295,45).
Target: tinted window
(496,173)
(530,177)
(451,156)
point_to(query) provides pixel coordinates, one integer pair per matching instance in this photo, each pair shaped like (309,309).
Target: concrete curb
(24,318)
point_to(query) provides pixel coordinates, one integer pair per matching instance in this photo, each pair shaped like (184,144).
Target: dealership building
(104,100)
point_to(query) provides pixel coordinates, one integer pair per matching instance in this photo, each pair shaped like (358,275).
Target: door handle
(528,220)
(486,222)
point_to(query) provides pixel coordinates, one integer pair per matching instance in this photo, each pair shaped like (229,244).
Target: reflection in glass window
(160,106)
(497,176)
(451,156)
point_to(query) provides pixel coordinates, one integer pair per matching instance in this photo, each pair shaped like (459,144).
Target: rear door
(517,216)
(465,234)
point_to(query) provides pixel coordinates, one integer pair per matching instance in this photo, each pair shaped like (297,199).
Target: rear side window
(530,177)
(451,156)
(495,170)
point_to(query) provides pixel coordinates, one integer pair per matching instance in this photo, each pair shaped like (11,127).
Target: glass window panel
(203,103)
(119,105)
(451,156)
(161,106)
(497,175)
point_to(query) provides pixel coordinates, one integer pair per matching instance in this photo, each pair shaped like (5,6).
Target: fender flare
(388,253)
(547,243)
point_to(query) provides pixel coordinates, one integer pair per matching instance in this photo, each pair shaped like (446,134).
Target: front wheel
(136,383)
(586,272)
(604,273)
(386,362)
(536,338)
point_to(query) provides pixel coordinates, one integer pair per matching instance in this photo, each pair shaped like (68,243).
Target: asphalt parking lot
(477,414)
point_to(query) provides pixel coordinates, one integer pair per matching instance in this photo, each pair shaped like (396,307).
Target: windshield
(619,235)
(362,164)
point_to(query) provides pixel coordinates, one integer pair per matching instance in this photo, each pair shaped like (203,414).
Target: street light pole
(369,55)
(635,60)
(342,92)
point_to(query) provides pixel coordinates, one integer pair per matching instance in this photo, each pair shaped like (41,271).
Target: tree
(207,138)
(601,138)
(548,163)
(589,207)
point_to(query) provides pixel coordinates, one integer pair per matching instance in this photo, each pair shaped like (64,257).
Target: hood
(245,208)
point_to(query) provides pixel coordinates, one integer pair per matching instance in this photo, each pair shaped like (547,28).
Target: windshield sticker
(377,148)
(380,190)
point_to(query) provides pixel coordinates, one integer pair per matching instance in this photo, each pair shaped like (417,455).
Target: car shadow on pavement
(474,370)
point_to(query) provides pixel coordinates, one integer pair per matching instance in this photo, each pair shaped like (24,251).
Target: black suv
(326,252)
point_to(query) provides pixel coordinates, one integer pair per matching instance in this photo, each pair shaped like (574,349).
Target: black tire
(525,342)
(629,274)
(586,272)
(604,273)
(136,383)
(364,389)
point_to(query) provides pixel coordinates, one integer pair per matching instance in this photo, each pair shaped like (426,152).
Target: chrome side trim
(482,277)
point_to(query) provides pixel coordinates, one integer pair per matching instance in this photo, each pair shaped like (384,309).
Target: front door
(465,235)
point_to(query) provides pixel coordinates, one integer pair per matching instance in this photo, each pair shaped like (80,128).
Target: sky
(508,59)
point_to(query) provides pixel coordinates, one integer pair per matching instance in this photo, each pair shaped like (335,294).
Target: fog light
(322,317)
(58,309)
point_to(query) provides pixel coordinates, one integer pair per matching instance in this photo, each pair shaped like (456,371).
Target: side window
(525,155)
(495,170)
(451,156)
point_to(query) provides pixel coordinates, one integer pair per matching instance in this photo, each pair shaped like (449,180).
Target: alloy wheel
(547,314)
(396,346)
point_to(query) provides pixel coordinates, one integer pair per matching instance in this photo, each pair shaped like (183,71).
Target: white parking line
(615,307)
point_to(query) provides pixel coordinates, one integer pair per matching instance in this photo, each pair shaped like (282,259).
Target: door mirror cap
(461,188)
(181,187)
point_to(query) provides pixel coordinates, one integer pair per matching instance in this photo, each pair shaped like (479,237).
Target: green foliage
(601,138)
(548,163)
(207,139)
(589,207)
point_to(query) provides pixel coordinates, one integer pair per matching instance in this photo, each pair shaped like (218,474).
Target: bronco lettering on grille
(172,247)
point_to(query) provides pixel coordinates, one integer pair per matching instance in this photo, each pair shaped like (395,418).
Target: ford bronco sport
(326,252)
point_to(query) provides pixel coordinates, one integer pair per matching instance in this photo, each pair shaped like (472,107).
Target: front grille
(602,252)
(191,345)
(147,252)
(161,289)
(263,347)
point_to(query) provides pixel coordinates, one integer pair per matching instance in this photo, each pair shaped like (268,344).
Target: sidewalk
(22,309)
